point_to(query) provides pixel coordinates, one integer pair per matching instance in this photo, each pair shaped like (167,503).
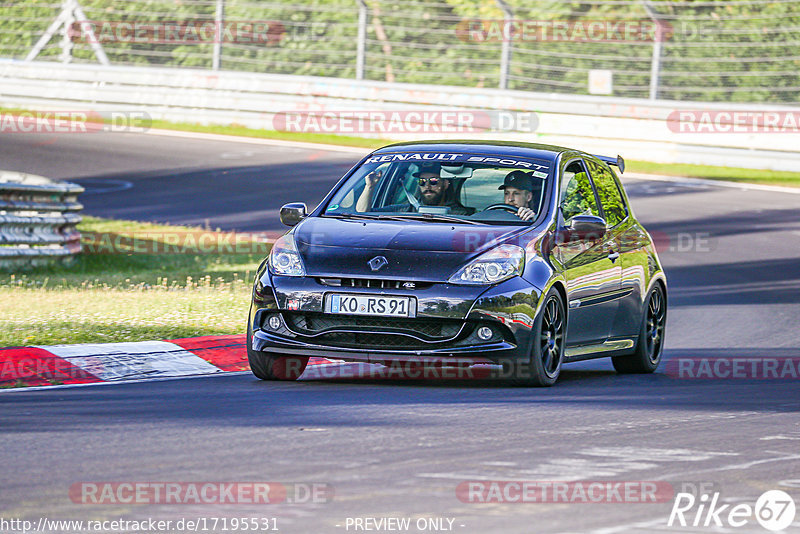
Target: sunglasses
(432,181)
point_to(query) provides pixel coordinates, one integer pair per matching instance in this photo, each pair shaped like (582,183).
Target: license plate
(379,305)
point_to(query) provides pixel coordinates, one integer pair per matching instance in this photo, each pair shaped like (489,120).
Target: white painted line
(136,359)
(634,454)
(730,466)
(718,183)
(104,186)
(468,476)
(261,141)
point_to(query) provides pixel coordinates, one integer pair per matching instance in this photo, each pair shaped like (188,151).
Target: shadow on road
(746,282)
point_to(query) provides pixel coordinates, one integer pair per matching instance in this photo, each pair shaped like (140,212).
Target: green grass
(730,174)
(127,297)
(305,137)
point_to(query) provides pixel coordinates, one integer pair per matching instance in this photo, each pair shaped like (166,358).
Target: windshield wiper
(345,215)
(428,217)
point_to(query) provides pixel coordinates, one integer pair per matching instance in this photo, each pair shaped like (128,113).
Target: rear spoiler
(618,162)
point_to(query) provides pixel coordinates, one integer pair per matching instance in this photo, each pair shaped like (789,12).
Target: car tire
(547,351)
(650,343)
(268,366)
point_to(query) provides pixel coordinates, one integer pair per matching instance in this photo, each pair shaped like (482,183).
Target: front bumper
(444,329)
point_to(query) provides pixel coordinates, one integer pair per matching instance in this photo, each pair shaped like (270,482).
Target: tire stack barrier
(38,219)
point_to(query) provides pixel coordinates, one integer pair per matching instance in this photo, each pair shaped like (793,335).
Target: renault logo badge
(377,263)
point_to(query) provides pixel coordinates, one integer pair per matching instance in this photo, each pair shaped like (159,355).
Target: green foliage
(578,197)
(127,297)
(717,50)
(607,191)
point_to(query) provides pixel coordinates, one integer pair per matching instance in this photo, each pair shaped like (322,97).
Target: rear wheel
(650,344)
(268,366)
(547,353)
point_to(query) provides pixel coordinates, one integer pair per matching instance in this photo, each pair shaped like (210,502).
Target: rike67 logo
(774,510)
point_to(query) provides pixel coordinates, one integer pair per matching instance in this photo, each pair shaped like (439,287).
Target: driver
(433,191)
(518,191)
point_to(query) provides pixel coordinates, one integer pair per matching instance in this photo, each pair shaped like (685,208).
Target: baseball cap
(518,180)
(427,166)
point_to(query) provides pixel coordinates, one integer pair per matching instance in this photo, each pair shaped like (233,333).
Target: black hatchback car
(460,253)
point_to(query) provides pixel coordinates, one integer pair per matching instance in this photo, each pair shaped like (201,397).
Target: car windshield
(445,187)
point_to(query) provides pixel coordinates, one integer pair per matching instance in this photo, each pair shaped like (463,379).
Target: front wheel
(267,366)
(650,343)
(547,353)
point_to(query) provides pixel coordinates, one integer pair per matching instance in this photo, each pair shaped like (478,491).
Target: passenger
(433,191)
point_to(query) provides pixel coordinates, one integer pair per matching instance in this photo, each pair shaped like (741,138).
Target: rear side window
(614,208)
(577,196)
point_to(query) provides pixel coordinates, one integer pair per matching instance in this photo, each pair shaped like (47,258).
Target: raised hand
(372,178)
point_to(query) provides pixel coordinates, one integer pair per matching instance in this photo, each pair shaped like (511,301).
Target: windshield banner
(449,157)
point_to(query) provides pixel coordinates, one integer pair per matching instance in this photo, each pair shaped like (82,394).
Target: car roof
(492,148)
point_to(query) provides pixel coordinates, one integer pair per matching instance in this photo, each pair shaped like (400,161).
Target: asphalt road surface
(228,185)
(400,449)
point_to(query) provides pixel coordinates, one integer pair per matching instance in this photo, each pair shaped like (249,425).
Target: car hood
(413,250)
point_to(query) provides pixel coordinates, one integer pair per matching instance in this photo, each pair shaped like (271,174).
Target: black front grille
(373,283)
(370,341)
(427,329)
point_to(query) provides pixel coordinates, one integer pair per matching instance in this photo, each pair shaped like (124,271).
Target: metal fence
(38,218)
(723,50)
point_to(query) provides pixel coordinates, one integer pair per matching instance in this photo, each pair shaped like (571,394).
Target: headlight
(493,266)
(284,259)
(262,279)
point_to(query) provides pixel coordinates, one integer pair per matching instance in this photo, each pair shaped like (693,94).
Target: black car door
(590,266)
(629,241)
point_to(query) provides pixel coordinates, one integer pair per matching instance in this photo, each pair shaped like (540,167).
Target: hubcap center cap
(551,342)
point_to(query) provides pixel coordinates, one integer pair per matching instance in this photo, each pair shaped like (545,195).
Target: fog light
(274,322)
(485,333)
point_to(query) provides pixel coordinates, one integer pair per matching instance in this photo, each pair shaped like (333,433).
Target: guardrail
(636,128)
(38,219)
(689,50)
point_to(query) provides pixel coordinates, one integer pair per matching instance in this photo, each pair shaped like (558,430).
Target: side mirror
(293,213)
(585,228)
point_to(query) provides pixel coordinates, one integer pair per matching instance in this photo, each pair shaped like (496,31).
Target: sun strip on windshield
(540,169)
